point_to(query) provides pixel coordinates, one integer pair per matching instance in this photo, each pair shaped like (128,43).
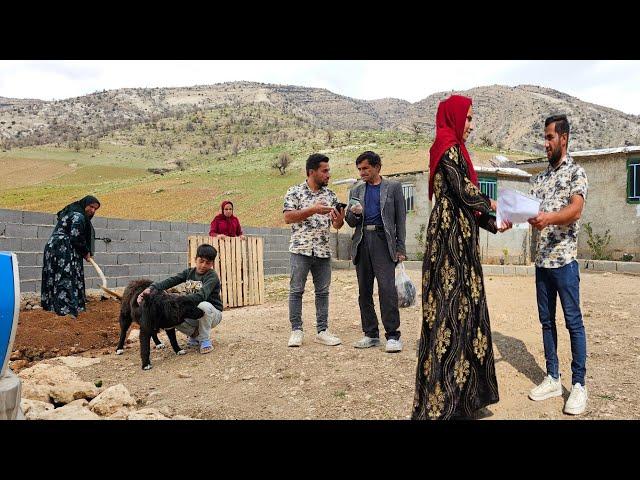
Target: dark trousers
(563,282)
(373,261)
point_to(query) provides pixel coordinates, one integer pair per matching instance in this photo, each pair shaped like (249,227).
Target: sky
(610,83)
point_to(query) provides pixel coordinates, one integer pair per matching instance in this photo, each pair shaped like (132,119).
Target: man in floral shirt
(562,190)
(311,208)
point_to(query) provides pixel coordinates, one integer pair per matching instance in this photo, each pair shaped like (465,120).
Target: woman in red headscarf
(455,374)
(226,224)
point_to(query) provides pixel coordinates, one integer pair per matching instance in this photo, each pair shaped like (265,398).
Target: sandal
(193,343)
(206,346)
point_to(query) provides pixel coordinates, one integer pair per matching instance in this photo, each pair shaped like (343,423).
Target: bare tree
(329,134)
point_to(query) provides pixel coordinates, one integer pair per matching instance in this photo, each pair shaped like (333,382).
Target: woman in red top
(226,224)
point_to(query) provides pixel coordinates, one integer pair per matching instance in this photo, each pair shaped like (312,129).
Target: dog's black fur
(158,310)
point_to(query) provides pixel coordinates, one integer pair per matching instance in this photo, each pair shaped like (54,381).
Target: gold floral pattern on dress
(426,367)
(448,274)
(463,310)
(446,214)
(434,250)
(464,226)
(480,346)
(437,184)
(443,340)
(435,402)
(470,187)
(461,371)
(425,279)
(476,286)
(433,221)
(430,313)
(453,154)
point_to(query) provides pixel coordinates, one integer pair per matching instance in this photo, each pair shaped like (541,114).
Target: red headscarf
(450,120)
(221,224)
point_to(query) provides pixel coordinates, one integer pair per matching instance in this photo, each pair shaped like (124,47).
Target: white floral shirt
(558,244)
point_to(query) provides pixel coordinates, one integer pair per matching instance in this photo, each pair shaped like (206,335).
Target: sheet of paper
(515,206)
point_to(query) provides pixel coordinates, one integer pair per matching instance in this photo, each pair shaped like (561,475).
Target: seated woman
(63,289)
(226,224)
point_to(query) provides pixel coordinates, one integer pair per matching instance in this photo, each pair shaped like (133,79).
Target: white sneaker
(295,340)
(326,338)
(577,401)
(366,342)
(549,388)
(393,345)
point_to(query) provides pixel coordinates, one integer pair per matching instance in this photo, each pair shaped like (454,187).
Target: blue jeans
(563,282)
(321,272)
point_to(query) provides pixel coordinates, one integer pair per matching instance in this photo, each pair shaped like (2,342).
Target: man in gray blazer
(377,211)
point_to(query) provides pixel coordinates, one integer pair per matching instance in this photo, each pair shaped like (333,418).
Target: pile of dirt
(43,334)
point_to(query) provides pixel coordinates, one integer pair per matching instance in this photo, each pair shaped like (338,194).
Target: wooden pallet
(240,266)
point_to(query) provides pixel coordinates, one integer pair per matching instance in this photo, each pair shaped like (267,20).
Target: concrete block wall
(138,248)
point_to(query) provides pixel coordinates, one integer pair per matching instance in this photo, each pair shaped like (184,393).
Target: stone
(76,362)
(70,412)
(35,391)
(18,365)
(147,414)
(112,399)
(167,411)
(184,375)
(83,402)
(120,414)
(70,391)
(48,374)
(34,409)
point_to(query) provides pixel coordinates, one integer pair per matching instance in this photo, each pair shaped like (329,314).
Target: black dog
(162,311)
(130,311)
(166,311)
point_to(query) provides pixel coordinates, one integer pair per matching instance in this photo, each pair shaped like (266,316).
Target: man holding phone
(377,212)
(311,208)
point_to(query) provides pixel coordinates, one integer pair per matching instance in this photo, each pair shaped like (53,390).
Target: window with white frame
(408,190)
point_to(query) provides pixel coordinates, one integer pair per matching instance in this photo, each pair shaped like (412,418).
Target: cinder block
(183,258)
(174,268)
(531,270)
(178,246)
(156,269)
(200,228)
(38,218)
(509,269)
(13,230)
(128,258)
(30,273)
(99,222)
(41,232)
(629,267)
(10,216)
(492,270)
(100,246)
(170,258)
(249,230)
(29,259)
(179,227)
(10,244)
(116,271)
(140,270)
(150,258)
(118,224)
(123,281)
(150,236)
(28,286)
(102,258)
(139,225)
(172,237)
(33,244)
(159,226)
(161,247)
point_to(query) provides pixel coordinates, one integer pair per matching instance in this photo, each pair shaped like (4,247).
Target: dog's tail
(111,292)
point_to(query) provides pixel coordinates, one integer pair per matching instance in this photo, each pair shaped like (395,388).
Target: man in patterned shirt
(562,190)
(310,208)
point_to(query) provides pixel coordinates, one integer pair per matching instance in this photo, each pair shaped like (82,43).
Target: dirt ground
(252,374)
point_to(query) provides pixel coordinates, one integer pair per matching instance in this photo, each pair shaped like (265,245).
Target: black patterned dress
(455,372)
(63,288)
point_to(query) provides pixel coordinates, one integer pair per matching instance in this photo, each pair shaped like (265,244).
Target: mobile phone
(340,206)
(354,201)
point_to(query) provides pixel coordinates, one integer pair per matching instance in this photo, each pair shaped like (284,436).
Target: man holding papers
(561,189)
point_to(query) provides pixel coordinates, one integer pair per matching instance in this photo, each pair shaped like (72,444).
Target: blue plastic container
(9,305)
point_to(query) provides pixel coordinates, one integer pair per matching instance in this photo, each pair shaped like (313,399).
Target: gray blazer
(393,213)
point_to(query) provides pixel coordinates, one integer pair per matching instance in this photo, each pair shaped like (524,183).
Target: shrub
(598,243)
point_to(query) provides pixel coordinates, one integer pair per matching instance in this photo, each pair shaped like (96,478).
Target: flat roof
(586,153)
